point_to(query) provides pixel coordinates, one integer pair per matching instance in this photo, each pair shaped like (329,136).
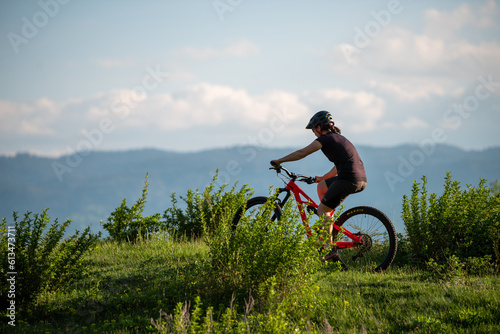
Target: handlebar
(293,176)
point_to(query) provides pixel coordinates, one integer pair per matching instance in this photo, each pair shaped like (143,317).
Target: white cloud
(114,63)
(193,109)
(242,48)
(413,122)
(205,105)
(207,115)
(441,61)
(447,25)
(415,88)
(28,118)
(399,52)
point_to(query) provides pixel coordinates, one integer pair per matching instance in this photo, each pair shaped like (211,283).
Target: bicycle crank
(365,246)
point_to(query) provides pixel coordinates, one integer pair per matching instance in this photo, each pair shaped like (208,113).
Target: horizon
(191,76)
(132,149)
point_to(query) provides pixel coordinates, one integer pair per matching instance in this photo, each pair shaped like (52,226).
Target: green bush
(202,213)
(462,223)
(38,257)
(204,210)
(261,251)
(128,224)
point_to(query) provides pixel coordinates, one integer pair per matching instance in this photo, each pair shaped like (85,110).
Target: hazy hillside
(87,188)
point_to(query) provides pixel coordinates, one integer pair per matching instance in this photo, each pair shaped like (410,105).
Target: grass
(403,301)
(129,284)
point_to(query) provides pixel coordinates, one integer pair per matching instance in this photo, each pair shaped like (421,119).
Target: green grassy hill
(152,285)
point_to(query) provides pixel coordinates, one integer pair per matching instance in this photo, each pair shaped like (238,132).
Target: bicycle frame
(304,202)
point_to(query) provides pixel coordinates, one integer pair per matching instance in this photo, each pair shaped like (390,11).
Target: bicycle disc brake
(365,246)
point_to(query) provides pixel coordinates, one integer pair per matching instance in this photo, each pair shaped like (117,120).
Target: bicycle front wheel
(379,243)
(253,207)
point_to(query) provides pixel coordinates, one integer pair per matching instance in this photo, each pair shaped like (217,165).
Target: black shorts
(339,189)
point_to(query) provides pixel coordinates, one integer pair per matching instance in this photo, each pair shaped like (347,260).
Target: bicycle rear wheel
(253,207)
(379,243)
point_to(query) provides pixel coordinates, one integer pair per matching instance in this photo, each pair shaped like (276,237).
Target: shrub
(38,257)
(464,223)
(127,224)
(260,251)
(202,213)
(204,210)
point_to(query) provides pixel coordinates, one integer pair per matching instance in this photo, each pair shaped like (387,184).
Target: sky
(193,75)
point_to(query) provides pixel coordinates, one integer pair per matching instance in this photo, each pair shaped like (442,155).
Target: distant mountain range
(87,188)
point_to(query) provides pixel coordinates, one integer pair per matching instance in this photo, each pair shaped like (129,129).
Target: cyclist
(346,177)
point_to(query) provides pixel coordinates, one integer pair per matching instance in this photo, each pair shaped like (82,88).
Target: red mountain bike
(366,238)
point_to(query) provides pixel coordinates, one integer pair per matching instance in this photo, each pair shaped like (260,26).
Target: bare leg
(325,211)
(322,188)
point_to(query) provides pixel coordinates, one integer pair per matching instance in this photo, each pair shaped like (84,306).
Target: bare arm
(328,175)
(299,154)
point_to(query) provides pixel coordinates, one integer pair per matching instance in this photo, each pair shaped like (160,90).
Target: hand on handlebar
(318,179)
(308,180)
(275,164)
(292,176)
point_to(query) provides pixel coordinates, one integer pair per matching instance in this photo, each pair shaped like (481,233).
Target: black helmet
(322,117)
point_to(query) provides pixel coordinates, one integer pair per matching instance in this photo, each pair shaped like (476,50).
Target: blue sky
(192,75)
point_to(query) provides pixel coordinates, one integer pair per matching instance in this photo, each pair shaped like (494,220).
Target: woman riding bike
(346,177)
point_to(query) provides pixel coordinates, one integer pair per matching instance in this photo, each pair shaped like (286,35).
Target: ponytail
(331,127)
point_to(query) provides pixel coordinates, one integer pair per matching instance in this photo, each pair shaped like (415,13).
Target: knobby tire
(253,204)
(373,222)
